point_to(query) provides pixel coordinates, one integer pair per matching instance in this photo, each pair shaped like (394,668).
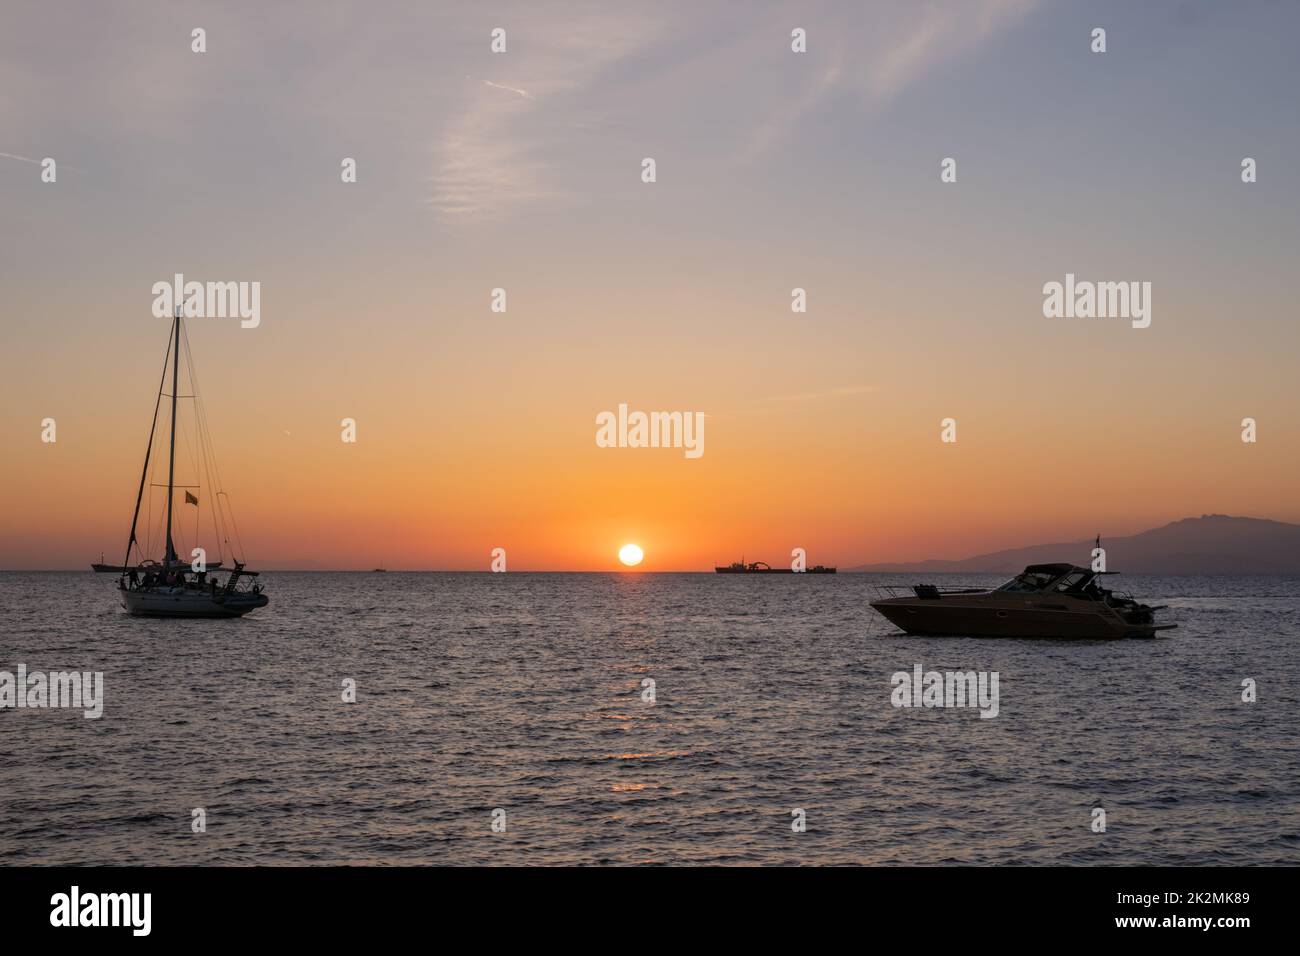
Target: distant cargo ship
(762,567)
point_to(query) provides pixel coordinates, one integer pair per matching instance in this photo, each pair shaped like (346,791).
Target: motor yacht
(1045,600)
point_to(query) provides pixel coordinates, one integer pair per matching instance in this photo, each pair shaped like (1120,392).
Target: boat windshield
(1075,582)
(1028,581)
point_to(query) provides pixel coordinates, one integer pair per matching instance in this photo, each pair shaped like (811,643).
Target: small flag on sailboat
(190,499)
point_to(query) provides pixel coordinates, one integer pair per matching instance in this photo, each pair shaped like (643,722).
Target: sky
(774,170)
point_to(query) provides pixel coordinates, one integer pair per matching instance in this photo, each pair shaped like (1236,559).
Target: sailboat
(172,587)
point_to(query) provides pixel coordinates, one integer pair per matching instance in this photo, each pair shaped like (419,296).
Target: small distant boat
(379,571)
(762,567)
(1045,600)
(172,587)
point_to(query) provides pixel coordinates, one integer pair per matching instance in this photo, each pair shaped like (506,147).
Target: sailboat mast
(148,453)
(171,464)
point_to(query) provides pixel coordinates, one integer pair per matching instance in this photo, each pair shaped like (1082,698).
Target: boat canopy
(1057,569)
(1067,578)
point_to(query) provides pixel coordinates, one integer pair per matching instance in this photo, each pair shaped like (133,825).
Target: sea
(637,718)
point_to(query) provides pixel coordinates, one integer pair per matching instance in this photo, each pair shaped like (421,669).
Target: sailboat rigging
(175,588)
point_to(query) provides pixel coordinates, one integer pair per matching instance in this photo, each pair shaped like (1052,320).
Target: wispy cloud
(37,162)
(879,60)
(482,167)
(486,155)
(785,114)
(509,89)
(934,33)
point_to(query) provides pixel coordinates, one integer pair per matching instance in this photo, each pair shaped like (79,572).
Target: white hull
(182,602)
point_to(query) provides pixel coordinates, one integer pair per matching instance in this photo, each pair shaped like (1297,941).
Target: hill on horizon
(1210,544)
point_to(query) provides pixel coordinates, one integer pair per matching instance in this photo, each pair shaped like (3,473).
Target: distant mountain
(1210,544)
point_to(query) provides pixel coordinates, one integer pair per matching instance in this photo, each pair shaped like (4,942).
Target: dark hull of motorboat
(958,617)
(188,602)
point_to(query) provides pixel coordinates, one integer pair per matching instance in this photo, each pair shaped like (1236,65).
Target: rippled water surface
(523,692)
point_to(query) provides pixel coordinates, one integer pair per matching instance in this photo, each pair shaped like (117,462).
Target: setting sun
(630,554)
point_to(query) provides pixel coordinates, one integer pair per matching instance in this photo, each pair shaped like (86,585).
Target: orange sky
(476,430)
(451,463)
